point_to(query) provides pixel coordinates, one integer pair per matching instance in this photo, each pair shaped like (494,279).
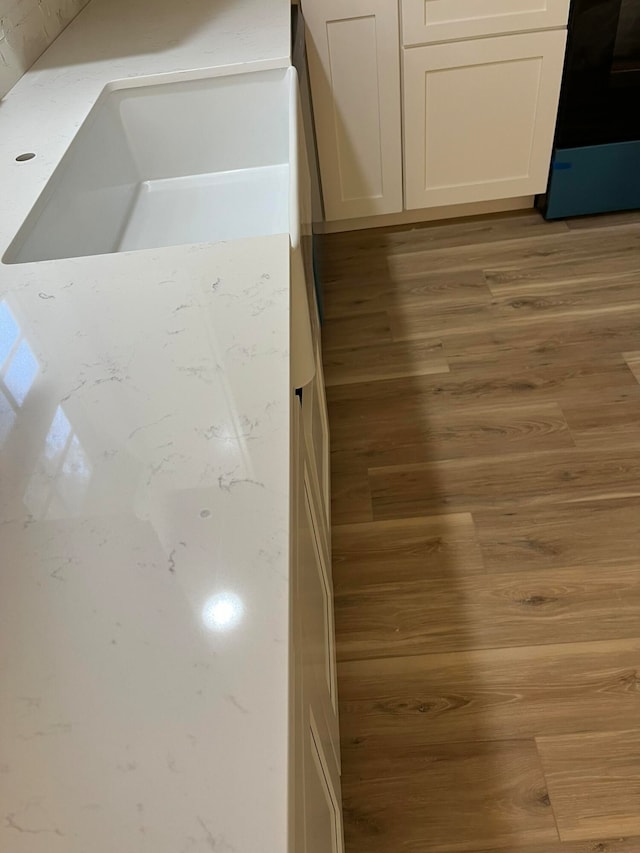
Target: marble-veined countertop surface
(144,489)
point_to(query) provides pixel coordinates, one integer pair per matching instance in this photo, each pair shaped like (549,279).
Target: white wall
(27,28)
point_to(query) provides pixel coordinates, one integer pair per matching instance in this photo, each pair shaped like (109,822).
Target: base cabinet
(354,66)
(479,93)
(480,117)
(315,745)
(316,805)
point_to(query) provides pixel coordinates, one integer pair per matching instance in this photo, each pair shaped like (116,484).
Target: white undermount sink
(169,163)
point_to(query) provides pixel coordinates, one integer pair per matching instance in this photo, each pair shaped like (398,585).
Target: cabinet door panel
(314,795)
(297,721)
(318,634)
(316,428)
(354,66)
(480,117)
(428,21)
(323,824)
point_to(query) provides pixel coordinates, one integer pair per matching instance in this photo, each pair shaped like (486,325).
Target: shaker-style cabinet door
(316,429)
(354,65)
(315,603)
(479,118)
(429,21)
(322,810)
(315,790)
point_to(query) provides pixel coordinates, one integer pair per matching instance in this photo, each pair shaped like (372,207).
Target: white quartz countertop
(144,489)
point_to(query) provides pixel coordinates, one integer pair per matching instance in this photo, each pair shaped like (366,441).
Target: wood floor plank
(613,422)
(600,221)
(594,782)
(470,611)
(368,329)
(589,274)
(439,235)
(517,254)
(511,314)
(439,290)
(545,248)
(488,695)
(404,549)
(581,339)
(411,432)
(633,361)
(608,845)
(383,361)
(577,300)
(350,493)
(483,380)
(409,800)
(515,480)
(594,536)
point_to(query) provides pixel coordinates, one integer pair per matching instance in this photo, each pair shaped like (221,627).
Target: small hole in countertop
(22,157)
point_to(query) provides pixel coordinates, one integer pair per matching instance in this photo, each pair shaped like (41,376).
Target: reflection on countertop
(144,528)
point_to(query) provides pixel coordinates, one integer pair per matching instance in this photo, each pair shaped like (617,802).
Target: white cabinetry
(479,94)
(479,117)
(316,797)
(354,65)
(316,430)
(427,21)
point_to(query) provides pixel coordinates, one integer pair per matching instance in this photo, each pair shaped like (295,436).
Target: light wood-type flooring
(483,382)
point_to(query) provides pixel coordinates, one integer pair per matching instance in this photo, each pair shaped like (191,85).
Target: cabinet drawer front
(480,117)
(428,21)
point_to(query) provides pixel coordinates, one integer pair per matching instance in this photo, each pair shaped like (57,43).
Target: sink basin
(169,163)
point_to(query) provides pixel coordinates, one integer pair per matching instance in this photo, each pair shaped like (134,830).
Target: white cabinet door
(428,21)
(354,65)
(323,814)
(316,430)
(314,795)
(479,118)
(315,603)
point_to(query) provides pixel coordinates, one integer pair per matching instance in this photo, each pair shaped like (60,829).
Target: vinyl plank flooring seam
(474,648)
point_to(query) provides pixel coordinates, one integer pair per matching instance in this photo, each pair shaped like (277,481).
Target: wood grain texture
(633,361)
(517,480)
(352,364)
(410,798)
(401,239)
(598,299)
(349,298)
(350,493)
(411,432)
(598,223)
(368,329)
(486,544)
(564,279)
(404,549)
(564,535)
(608,845)
(460,611)
(594,782)
(485,373)
(504,242)
(616,421)
(487,695)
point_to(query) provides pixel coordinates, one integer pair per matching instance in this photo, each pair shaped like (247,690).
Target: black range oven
(596,160)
